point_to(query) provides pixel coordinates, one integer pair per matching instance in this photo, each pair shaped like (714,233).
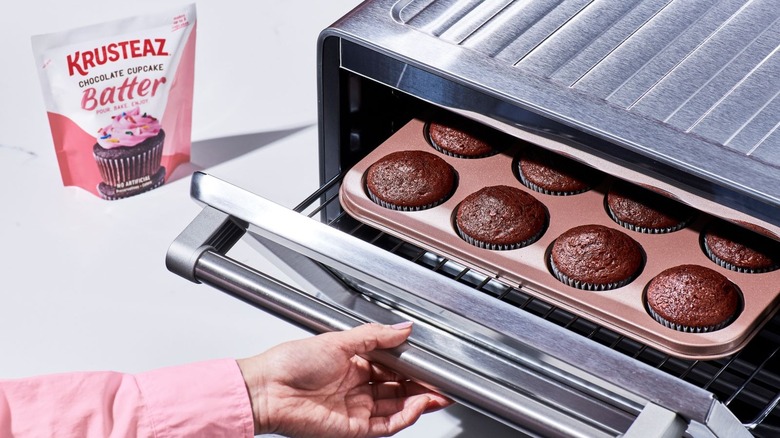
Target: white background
(84,285)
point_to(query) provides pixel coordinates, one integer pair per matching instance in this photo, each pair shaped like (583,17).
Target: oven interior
(363,112)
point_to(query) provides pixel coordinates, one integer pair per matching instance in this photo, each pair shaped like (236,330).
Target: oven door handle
(196,255)
(504,404)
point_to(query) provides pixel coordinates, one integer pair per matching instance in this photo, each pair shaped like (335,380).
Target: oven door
(477,341)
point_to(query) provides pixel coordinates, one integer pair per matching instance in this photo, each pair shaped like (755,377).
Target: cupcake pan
(621,309)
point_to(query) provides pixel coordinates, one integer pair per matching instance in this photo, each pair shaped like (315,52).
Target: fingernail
(402,325)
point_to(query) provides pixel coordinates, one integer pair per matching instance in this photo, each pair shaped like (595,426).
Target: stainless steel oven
(680,96)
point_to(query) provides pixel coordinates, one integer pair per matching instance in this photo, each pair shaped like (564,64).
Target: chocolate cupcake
(595,257)
(644,211)
(461,138)
(692,298)
(128,153)
(552,174)
(410,180)
(739,249)
(500,218)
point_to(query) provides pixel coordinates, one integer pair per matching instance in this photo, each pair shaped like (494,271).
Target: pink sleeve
(201,399)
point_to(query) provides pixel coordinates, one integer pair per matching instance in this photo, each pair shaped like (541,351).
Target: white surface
(84,282)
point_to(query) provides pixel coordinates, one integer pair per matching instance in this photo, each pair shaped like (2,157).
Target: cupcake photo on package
(119,100)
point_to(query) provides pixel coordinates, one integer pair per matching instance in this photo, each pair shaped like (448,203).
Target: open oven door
(521,370)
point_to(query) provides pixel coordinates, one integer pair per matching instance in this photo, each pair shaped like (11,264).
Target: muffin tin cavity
(462,138)
(410,181)
(500,218)
(621,309)
(693,298)
(595,258)
(546,172)
(639,209)
(739,249)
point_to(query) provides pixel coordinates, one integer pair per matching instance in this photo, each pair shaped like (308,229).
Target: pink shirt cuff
(200,399)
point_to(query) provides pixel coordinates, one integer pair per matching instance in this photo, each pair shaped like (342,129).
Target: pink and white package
(119,100)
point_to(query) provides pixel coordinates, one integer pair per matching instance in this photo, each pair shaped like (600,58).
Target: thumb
(371,336)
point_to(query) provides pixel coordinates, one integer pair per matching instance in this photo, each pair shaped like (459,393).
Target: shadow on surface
(208,153)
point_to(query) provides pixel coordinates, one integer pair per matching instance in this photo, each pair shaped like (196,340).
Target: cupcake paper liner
(720,262)
(526,182)
(684,328)
(391,206)
(115,171)
(647,230)
(494,246)
(565,279)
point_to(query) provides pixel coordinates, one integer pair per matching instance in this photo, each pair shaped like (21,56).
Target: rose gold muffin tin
(622,309)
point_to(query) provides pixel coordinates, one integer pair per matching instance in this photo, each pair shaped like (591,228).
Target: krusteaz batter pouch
(119,100)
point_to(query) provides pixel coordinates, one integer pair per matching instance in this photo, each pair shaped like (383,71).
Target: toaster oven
(678,96)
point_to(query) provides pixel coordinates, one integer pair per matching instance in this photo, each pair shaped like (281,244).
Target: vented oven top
(684,93)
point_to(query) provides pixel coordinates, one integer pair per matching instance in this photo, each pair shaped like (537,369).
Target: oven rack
(747,382)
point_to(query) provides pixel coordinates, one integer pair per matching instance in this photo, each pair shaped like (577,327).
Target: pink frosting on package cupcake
(119,100)
(128,129)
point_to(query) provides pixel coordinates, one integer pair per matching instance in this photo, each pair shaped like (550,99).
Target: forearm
(201,399)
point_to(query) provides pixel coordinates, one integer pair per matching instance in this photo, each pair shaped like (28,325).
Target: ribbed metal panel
(709,68)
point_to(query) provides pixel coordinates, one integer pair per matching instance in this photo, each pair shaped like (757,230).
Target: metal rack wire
(748,382)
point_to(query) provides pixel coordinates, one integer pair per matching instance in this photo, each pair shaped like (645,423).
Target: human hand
(320,387)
